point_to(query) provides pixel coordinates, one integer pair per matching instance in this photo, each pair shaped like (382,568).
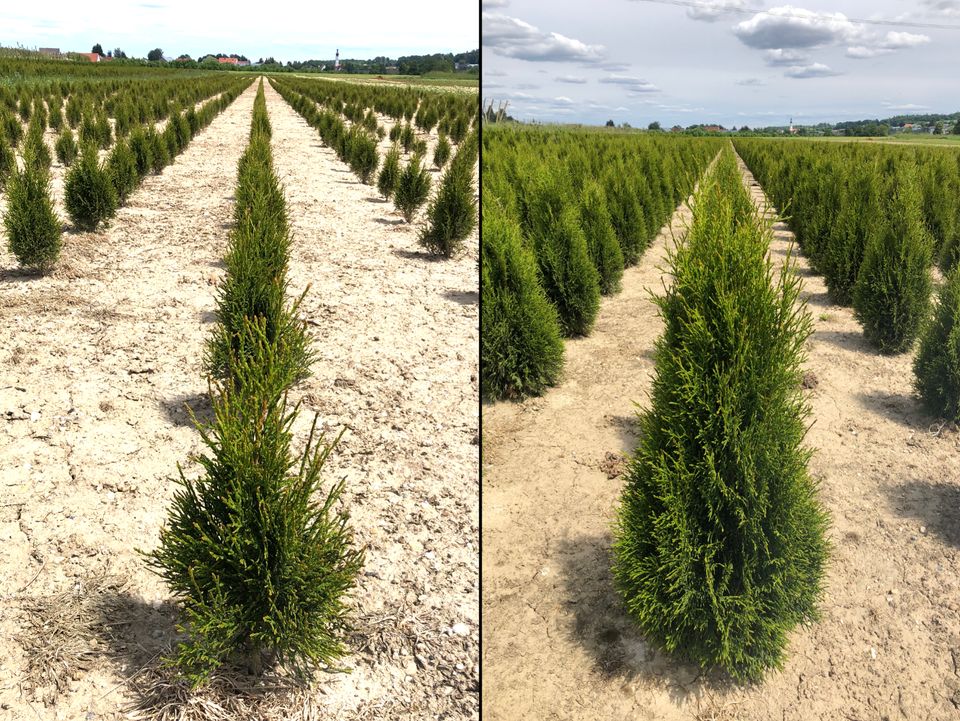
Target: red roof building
(231,61)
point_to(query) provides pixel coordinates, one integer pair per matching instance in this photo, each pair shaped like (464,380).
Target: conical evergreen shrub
(159,151)
(89,194)
(937,365)
(363,154)
(441,153)
(142,148)
(521,351)
(601,238)
(389,173)
(66,147)
(859,218)
(413,188)
(451,215)
(719,545)
(35,150)
(8,163)
(33,229)
(553,229)
(122,166)
(260,558)
(892,295)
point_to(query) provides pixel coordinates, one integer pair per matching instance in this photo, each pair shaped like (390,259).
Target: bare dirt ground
(96,363)
(557,642)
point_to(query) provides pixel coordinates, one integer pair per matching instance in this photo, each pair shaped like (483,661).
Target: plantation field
(100,356)
(902,139)
(565,647)
(433,81)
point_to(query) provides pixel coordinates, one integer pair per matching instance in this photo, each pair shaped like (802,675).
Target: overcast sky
(285,30)
(731,62)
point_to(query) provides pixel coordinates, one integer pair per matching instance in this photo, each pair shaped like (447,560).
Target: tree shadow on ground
(469,297)
(899,407)
(936,506)
(372,199)
(390,221)
(417,255)
(848,340)
(176,409)
(139,637)
(600,625)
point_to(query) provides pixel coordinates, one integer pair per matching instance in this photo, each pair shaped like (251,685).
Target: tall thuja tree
(937,365)
(255,285)
(859,218)
(892,295)
(89,194)
(521,351)
(452,214)
(412,189)
(260,558)
(626,213)
(552,226)
(389,173)
(601,239)
(720,543)
(33,229)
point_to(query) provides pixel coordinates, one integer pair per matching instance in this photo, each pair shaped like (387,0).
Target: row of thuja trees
(93,188)
(564,212)
(260,559)
(719,545)
(874,220)
(451,215)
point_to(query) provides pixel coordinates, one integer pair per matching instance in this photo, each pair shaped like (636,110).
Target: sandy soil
(98,359)
(557,643)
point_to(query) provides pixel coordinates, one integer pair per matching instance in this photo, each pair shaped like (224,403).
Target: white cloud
(750,82)
(779,56)
(887,44)
(713,10)
(494,3)
(515,38)
(813,70)
(571,79)
(904,106)
(632,84)
(790,27)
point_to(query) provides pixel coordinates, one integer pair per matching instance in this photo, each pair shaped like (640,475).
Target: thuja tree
(601,238)
(720,539)
(8,162)
(389,173)
(521,351)
(892,293)
(33,229)
(261,559)
(451,215)
(553,228)
(66,147)
(413,187)
(937,365)
(88,191)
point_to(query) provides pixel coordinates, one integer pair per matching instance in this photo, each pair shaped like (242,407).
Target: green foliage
(66,147)
(122,166)
(142,148)
(451,215)
(12,129)
(33,230)
(413,187)
(8,163)
(259,557)
(89,194)
(601,238)
(937,365)
(35,151)
(892,293)
(407,138)
(521,351)
(389,173)
(363,157)
(720,545)
(441,153)
(553,229)
(159,150)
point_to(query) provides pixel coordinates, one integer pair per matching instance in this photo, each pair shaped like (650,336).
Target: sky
(728,62)
(281,28)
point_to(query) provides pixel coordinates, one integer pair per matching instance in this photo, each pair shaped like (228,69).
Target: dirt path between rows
(96,361)
(557,644)
(396,334)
